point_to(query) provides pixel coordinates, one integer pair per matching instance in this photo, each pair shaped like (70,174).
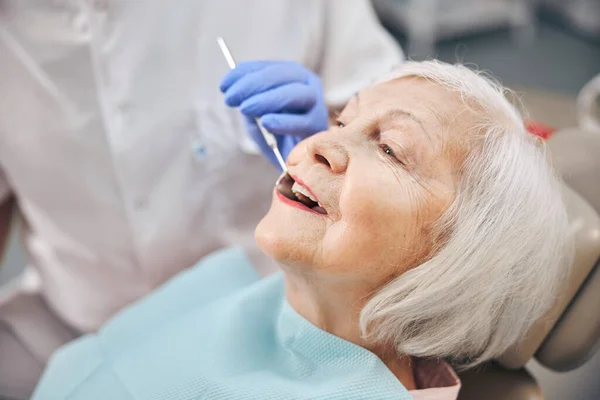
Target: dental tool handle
(272,143)
(268,136)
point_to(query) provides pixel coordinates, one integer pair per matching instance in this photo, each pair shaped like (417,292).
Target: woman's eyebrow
(403,113)
(397,112)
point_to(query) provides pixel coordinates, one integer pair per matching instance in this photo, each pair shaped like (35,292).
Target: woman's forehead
(436,108)
(413,94)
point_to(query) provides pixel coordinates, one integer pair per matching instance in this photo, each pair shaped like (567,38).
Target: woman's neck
(335,308)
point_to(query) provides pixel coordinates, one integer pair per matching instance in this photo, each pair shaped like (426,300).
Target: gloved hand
(287,98)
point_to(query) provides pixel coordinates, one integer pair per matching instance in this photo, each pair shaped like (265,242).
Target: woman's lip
(305,186)
(293,203)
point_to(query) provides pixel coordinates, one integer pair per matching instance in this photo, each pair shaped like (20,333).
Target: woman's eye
(387,150)
(340,124)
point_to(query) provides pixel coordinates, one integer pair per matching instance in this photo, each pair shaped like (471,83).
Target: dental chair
(576,150)
(566,337)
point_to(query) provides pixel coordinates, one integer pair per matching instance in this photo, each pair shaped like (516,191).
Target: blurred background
(546,50)
(550,45)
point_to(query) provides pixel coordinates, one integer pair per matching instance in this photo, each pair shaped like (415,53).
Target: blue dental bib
(216,331)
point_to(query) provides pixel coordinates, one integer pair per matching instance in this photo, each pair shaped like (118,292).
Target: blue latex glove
(287,98)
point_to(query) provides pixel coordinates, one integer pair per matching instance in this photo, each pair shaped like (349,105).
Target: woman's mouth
(297,193)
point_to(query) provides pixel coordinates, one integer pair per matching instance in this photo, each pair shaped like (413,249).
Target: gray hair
(505,250)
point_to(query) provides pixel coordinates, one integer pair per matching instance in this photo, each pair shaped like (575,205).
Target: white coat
(114,138)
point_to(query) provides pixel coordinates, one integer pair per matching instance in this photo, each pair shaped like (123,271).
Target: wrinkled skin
(385,175)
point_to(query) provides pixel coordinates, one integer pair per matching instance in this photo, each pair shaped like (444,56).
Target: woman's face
(382,178)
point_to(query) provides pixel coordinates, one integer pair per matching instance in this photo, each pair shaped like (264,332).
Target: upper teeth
(296,188)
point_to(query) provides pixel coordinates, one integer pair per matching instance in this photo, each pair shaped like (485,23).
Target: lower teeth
(305,200)
(284,186)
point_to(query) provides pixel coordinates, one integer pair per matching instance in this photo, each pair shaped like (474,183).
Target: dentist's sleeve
(357,50)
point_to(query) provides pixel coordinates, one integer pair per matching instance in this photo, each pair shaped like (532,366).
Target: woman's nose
(323,148)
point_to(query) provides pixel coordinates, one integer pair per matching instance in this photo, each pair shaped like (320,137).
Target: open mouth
(292,190)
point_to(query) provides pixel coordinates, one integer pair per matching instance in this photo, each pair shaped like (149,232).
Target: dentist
(120,156)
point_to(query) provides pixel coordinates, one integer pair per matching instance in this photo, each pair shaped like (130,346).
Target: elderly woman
(425,227)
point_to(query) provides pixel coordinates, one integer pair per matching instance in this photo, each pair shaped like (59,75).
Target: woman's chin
(270,239)
(279,238)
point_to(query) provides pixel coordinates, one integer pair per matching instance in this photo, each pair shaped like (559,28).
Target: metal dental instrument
(269,138)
